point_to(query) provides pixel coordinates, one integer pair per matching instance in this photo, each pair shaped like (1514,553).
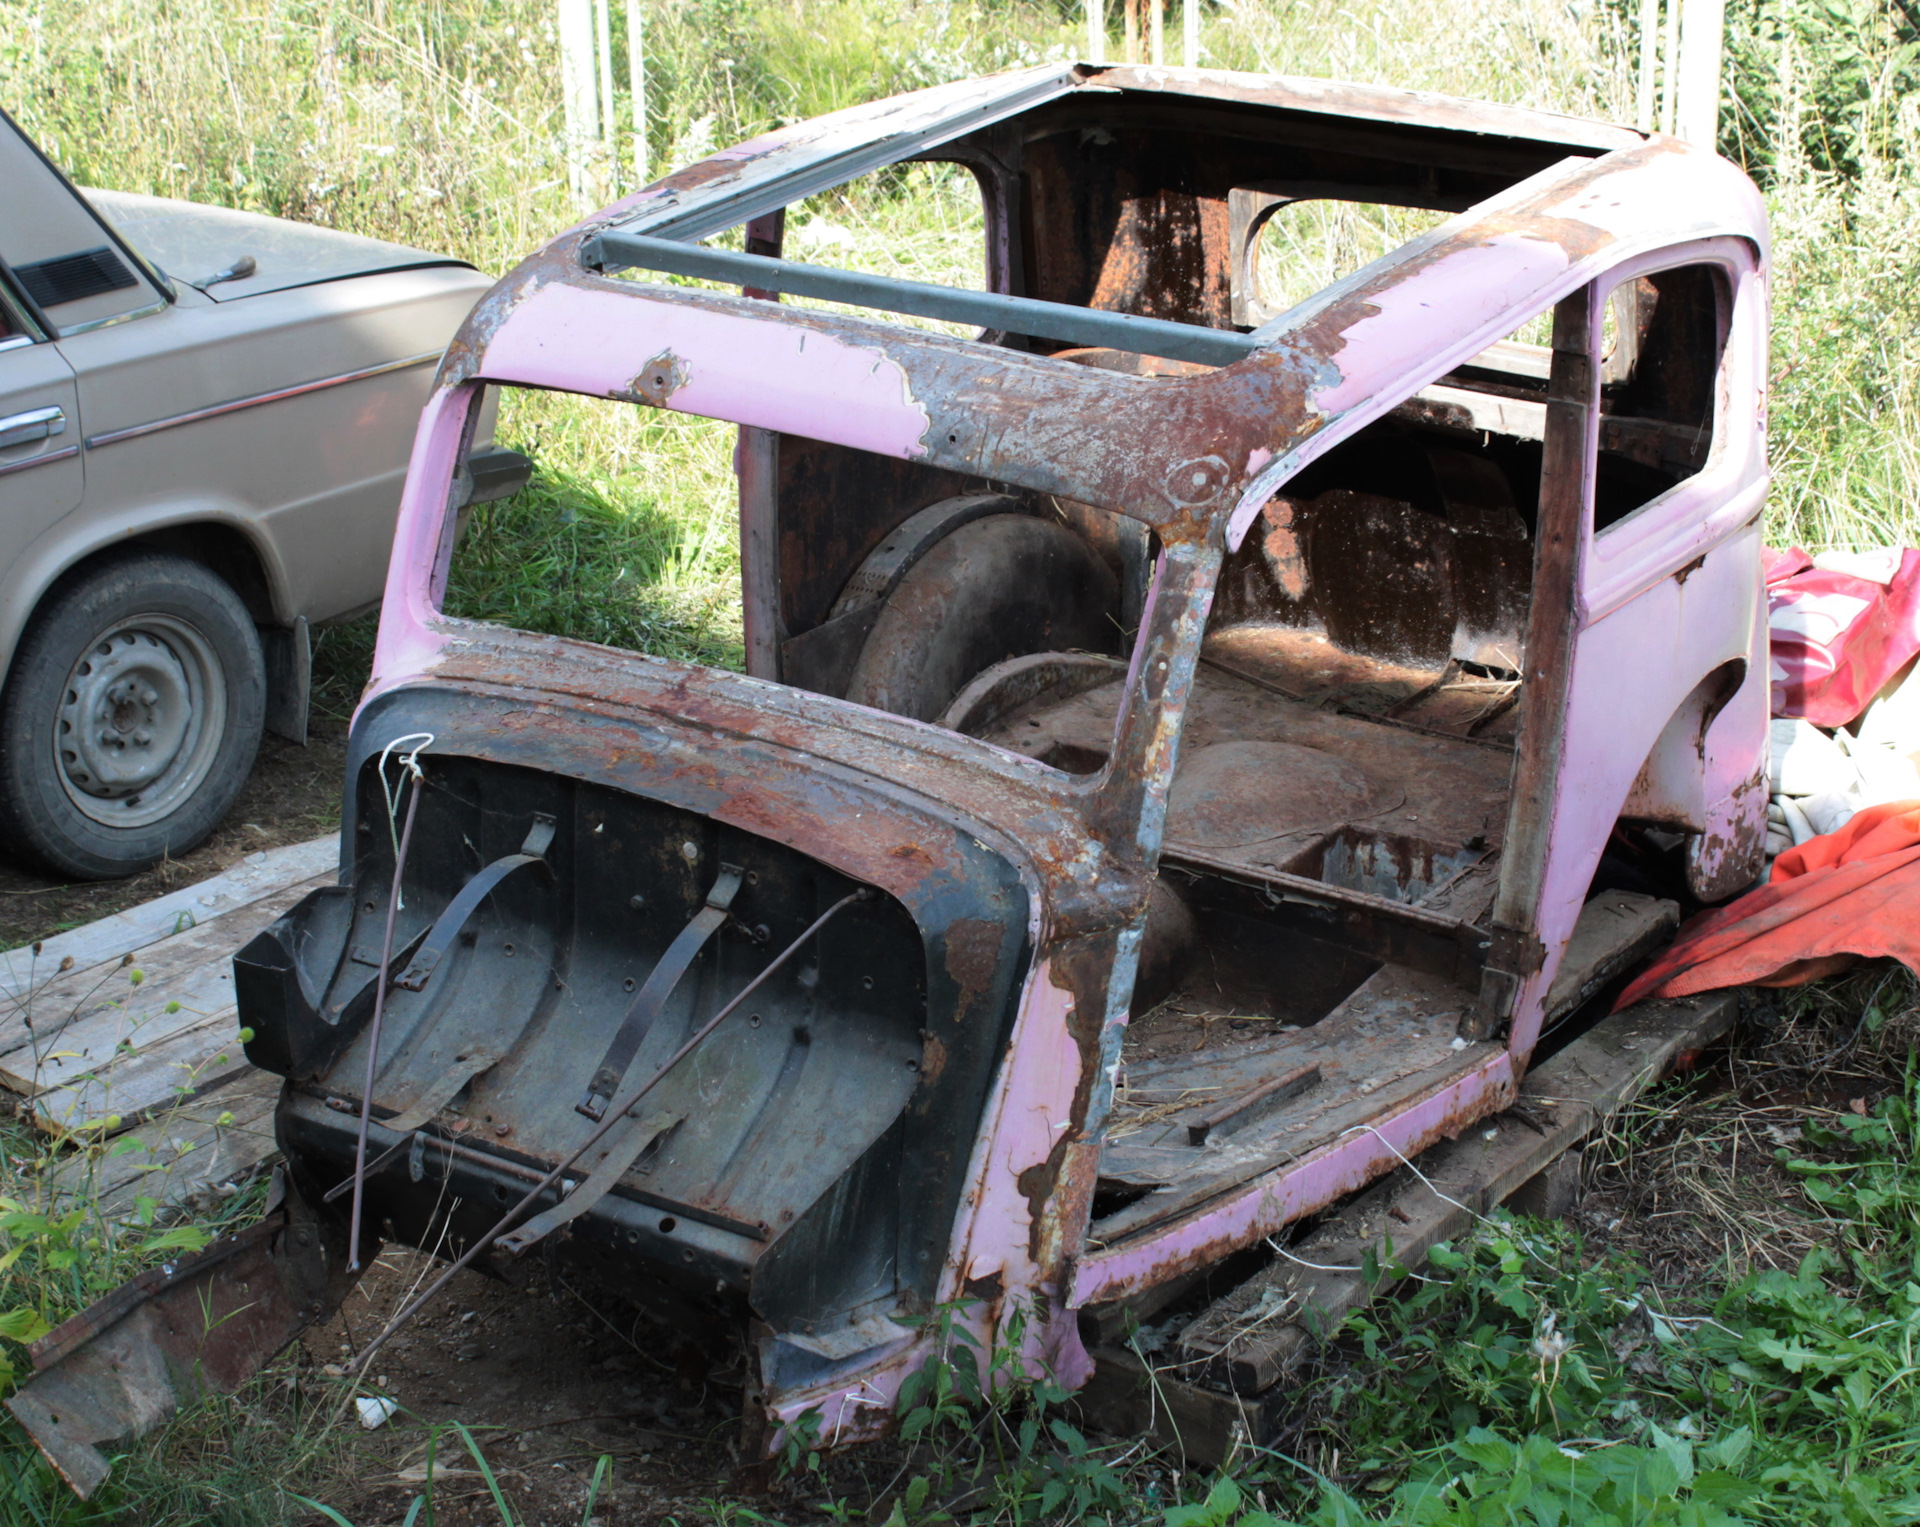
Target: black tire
(999,587)
(130,718)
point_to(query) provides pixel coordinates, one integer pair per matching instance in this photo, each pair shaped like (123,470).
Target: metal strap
(433,1097)
(447,926)
(613,1166)
(441,1091)
(653,994)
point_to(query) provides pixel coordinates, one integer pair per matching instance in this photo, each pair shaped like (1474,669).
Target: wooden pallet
(1218,1385)
(121,1035)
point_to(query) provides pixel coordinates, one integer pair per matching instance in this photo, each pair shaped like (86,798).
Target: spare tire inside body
(997,588)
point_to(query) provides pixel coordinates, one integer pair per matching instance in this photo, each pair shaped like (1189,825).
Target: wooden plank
(1616,929)
(68,1012)
(116,1037)
(137,1086)
(188,1158)
(1128,1399)
(1253,1336)
(126,932)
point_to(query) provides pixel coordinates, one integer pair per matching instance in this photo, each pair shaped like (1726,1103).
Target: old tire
(997,588)
(130,718)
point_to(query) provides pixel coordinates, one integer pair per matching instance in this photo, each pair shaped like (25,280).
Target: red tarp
(1831,901)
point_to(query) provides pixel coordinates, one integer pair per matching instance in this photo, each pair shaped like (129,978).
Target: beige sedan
(205,419)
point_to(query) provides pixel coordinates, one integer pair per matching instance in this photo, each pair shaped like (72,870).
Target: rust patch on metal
(1059,1190)
(1286,558)
(973,956)
(658,380)
(933,1057)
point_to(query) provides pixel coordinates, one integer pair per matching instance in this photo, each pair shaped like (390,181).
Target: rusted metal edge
(206,1322)
(1576,1091)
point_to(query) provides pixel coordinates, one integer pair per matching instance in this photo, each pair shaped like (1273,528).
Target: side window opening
(1286,247)
(1666,335)
(955,601)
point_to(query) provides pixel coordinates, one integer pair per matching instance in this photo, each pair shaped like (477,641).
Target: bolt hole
(507,950)
(627,985)
(669,1225)
(753,877)
(753,1020)
(866,983)
(500,1192)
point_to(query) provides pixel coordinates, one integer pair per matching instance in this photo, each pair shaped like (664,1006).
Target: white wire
(408,761)
(1467,1209)
(1280,1250)
(1463,1208)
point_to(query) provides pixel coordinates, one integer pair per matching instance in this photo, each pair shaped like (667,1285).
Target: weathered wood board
(123,1034)
(188,1158)
(178,911)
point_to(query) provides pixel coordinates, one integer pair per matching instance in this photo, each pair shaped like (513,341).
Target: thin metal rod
(637,87)
(614,250)
(609,125)
(373,1033)
(615,1114)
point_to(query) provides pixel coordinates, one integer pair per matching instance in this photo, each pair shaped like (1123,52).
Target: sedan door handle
(34,424)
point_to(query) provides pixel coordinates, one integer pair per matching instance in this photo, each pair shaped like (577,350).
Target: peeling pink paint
(1462,293)
(751,370)
(1268,1203)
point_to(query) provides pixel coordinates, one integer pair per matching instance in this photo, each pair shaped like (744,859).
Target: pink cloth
(1837,638)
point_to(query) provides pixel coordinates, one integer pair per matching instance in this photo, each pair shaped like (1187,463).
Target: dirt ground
(293,795)
(1688,1178)
(549,1380)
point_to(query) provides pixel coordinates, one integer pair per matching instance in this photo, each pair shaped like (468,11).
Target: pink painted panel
(1467,291)
(1631,670)
(747,369)
(1269,1203)
(406,643)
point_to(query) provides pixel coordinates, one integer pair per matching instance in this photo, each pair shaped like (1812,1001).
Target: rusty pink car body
(1350,772)
(1644,665)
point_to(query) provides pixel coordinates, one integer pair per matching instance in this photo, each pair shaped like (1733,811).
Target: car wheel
(131,716)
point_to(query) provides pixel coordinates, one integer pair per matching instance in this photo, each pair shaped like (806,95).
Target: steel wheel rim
(140,721)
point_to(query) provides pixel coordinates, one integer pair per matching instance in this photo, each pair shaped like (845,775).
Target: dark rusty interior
(807,1152)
